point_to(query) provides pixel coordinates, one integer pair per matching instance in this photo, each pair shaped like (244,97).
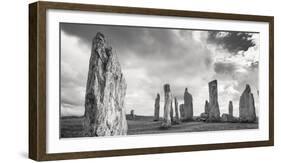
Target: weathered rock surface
(247,112)
(181,111)
(167,106)
(177,118)
(214,111)
(157,107)
(187,106)
(105,92)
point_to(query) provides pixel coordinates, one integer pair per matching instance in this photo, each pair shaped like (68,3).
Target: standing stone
(172,112)
(157,107)
(167,106)
(247,112)
(204,116)
(105,92)
(228,117)
(181,111)
(177,119)
(206,107)
(187,106)
(230,109)
(214,111)
(132,114)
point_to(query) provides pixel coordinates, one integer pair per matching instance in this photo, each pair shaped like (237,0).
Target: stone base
(187,120)
(213,119)
(176,122)
(247,120)
(166,124)
(226,118)
(203,117)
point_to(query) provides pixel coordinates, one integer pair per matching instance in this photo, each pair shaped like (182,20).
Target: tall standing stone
(167,106)
(214,111)
(176,110)
(157,107)
(181,111)
(247,112)
(230,109)
(105,92)
(187,106)
(172,112)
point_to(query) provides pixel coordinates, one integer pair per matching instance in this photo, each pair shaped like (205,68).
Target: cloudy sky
(151,57)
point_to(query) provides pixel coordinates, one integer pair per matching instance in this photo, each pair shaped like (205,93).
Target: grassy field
(146,125)
(72,126)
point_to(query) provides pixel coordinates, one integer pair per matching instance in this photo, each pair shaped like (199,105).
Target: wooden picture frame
(38,78)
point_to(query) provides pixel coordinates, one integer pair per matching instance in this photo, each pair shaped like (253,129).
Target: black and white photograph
(129,80)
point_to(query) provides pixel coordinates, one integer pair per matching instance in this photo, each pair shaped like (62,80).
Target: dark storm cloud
(225,68)
(120,36)
(145,41)
(232,41)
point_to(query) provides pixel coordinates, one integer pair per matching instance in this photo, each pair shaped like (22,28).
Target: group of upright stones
(106,90)
(186,109)
(211,111)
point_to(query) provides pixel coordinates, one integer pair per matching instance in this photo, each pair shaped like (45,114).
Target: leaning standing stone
(167,106)
(157,107)
(247,112)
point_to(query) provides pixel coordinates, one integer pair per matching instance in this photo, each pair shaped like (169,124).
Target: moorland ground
(73,126)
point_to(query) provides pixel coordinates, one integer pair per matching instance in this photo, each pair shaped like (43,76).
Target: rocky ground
(72,126)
